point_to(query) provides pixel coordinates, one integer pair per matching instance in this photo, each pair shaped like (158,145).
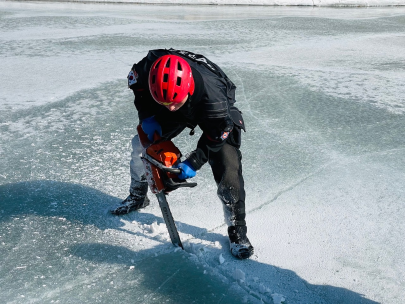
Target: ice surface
(335,3)
(324,156)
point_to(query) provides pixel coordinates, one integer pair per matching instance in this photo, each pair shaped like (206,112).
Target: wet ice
(321,91)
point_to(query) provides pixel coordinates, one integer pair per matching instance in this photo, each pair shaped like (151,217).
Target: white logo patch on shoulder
(132,78)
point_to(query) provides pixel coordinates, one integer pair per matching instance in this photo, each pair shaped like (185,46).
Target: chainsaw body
(159,158)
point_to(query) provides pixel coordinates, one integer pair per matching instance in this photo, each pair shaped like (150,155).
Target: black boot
(239,242)
(137,199)
(131,203)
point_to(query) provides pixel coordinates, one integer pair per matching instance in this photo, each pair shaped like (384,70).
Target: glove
(187,171)
(150,126)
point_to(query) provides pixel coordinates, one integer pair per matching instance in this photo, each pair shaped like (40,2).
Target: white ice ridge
(361,3)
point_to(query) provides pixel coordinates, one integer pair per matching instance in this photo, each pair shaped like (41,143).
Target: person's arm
(215,133)
(138,83)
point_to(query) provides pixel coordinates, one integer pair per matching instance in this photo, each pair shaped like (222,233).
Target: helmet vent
(170,80)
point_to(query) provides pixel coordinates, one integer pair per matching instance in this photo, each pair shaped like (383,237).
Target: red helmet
(170,80)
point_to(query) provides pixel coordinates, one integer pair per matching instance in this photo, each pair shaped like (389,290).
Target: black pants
(226,165)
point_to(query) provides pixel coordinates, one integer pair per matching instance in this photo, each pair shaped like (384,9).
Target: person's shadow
(153,275)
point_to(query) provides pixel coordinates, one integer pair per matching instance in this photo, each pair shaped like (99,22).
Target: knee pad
(234,209)
(228,194)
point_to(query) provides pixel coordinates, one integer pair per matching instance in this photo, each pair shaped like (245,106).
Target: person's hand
(187,171)
(150,126)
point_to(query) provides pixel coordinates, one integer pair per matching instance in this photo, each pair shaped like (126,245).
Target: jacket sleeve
(216,121)
(144,102)
(215,134)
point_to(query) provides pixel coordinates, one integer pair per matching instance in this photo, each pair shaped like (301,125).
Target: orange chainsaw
(159,159)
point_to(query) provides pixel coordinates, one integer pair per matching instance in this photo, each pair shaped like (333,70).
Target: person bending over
(175,90)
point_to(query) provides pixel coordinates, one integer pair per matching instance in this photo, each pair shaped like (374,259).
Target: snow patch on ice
(221,259)
(278,298)
(239,275)
(155,228)
(262,288)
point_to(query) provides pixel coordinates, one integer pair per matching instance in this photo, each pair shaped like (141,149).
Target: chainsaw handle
(174,183)
(171,170)
(160,165)
(170,183)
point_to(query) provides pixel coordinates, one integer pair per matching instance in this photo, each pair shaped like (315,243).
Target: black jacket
(210,107)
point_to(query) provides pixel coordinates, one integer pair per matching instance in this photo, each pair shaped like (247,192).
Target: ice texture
(322,95)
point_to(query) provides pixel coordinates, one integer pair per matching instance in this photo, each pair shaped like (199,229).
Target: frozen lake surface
(322,94)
